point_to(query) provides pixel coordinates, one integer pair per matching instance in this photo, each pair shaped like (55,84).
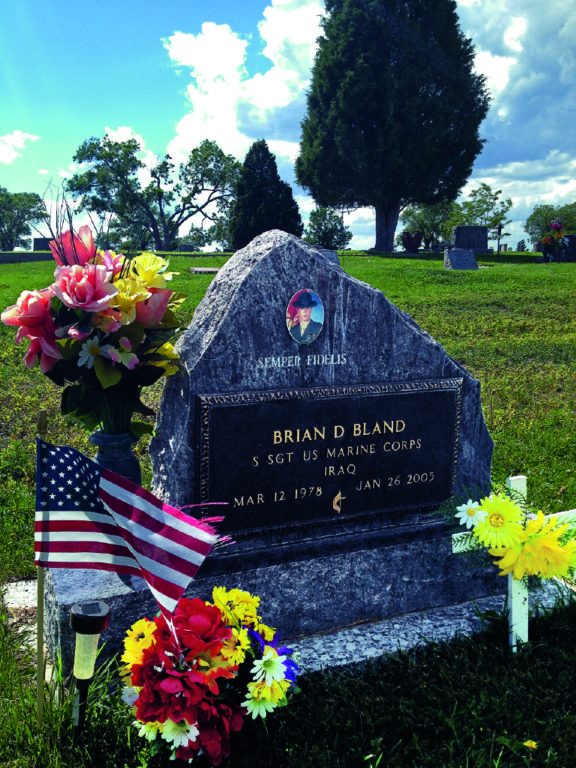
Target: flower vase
(116,452)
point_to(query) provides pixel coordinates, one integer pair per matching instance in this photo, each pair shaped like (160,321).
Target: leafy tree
(18,211)
(428,219)
(393,109)
(538,223)
(112,183)
(483,207)
(326,228)
(263,201)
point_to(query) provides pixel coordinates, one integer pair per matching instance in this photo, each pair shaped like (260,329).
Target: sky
(174,73)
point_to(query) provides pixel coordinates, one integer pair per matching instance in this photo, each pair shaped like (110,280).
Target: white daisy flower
(470,514)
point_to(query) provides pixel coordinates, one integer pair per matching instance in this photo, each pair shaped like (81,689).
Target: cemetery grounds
(464,703)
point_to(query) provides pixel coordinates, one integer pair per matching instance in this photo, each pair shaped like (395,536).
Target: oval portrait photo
(305,316)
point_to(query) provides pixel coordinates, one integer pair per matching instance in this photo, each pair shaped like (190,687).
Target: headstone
(330,452)
(570,250)
(41,243)
(474,238)
(459,258)
(333,427)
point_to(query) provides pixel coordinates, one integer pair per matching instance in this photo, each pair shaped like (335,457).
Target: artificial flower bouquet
(554,242)
(101,330)
(193,682)
(523,543)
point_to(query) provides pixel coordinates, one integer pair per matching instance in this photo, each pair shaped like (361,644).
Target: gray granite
(460,258)
(371,641)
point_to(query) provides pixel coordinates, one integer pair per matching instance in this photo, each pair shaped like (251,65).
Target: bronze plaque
(284,457)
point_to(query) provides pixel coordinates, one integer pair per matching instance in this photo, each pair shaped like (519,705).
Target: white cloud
(13,144)
(496,69)
(43,171)
(514,32)
(232,106)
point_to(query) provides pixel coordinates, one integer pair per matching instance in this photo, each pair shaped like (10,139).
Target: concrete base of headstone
(363,577)
(460,258)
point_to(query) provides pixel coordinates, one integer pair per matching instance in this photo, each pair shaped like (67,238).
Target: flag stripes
(90,517)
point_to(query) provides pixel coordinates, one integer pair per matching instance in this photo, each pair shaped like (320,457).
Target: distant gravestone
(459,258)
(570,250)
(41,243)
(473,238)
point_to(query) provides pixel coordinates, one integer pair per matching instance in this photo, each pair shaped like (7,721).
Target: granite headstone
(333,426)
(459,258)
(474,238)
(332,454)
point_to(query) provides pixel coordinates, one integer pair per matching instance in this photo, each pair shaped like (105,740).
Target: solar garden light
(88,620)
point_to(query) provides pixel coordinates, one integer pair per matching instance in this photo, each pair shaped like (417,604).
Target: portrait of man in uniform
(305,316)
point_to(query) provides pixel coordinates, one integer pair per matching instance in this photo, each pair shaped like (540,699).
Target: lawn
(465,704)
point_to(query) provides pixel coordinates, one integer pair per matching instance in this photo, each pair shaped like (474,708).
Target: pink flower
(151,312)
(71,248)
(112,261)
(41,349)
(31,314)
(85,287)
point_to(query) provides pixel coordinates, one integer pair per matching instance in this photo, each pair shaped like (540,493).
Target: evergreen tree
(263,201)
(393,109)
(326,228)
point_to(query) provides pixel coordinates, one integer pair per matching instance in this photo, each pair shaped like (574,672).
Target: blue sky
(174,73)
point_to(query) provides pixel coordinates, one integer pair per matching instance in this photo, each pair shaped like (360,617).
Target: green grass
(468,703)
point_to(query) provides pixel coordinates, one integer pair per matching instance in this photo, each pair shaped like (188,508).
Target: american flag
(90,517)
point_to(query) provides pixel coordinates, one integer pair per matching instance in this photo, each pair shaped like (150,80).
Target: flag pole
(42,427)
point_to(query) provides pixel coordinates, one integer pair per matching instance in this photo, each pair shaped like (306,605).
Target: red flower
(71,248)
(216,721)
(199,627)
(166,694)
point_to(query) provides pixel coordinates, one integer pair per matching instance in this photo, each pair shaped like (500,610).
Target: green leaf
(141,428)
(71,398)
(107,375)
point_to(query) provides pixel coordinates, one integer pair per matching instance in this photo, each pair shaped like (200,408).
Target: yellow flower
(130,292)
(530,743)
(150,270)
(274,693)
(540,552)
(236,605)
(138,638)
(167,351)
(267,632)
(502,526)
(234,649)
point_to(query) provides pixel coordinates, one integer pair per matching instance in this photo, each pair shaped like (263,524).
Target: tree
(538,223)
(483,207)
(18,211)
(326,228)
(428,219)
(263,201)
(175,194)
(393,109)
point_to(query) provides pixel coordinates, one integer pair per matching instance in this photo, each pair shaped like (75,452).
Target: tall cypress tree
(393,110)
(263,200)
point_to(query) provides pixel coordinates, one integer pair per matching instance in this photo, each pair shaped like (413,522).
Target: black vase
(116,452)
